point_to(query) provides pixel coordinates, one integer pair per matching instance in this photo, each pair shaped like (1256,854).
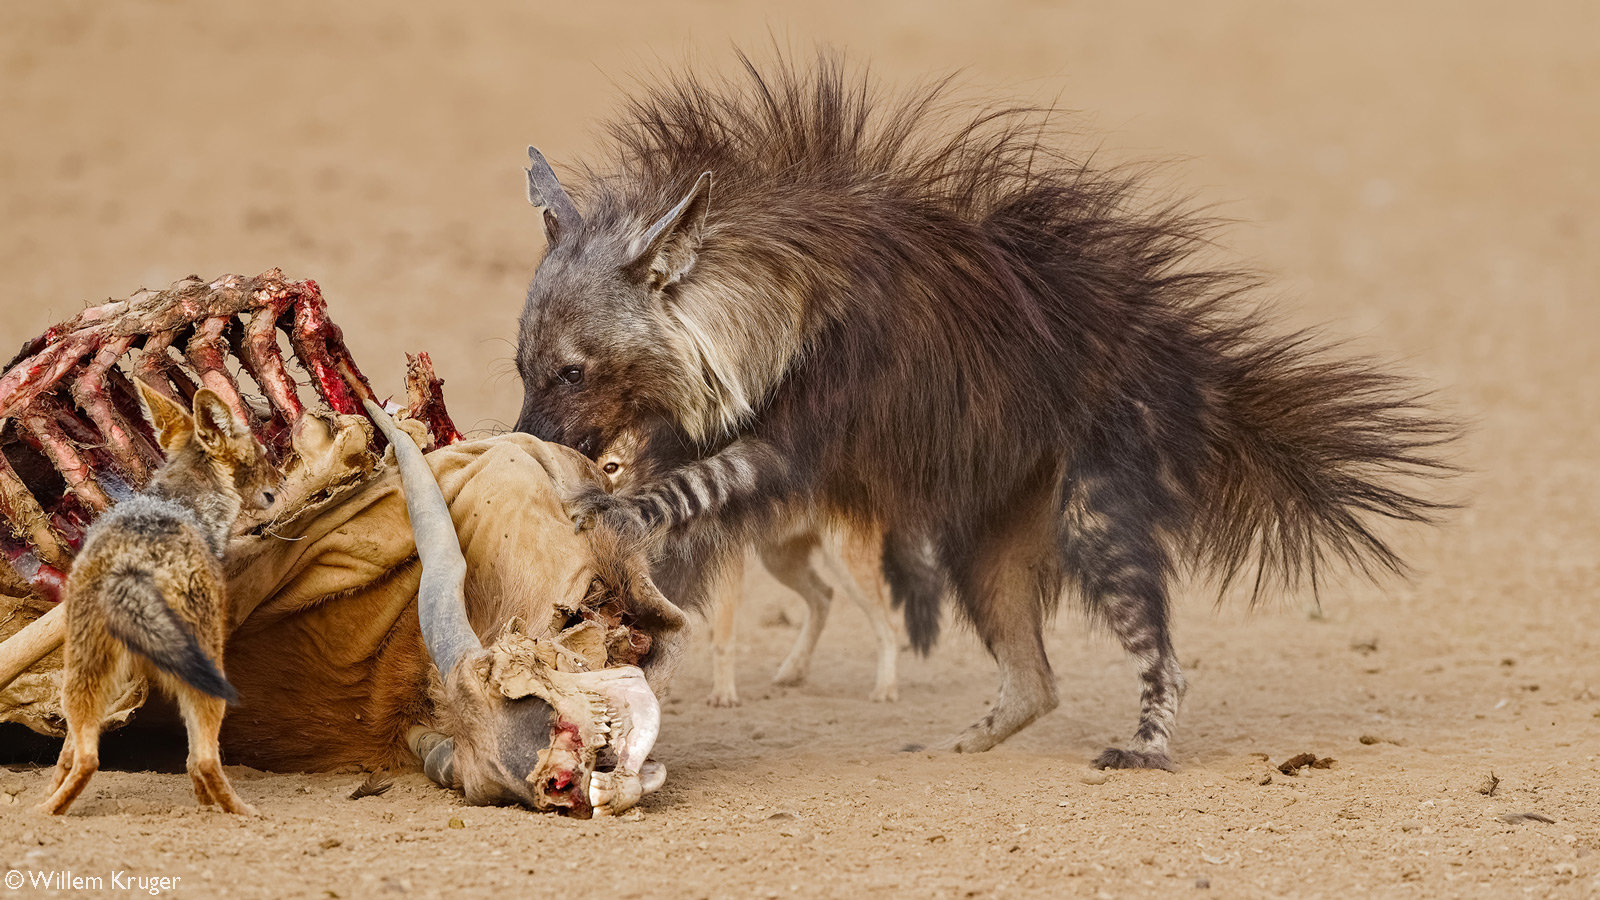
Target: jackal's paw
(1134,759)
(887,693)
(722,698)
(594,506)
(788,676)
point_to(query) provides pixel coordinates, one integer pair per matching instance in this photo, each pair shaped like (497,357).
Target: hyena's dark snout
(556,430)
(533,420)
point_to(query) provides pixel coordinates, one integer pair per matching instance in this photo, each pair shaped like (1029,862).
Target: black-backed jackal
(147,594)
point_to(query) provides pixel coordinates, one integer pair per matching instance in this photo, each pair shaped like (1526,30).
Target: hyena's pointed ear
(544,189)
(172,422)
(667,249)
(217,429)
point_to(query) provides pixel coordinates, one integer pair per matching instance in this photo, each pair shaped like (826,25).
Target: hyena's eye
(571,374)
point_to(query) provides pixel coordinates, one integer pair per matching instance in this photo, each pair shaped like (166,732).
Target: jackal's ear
(172,422)
(215,426)
(666,251)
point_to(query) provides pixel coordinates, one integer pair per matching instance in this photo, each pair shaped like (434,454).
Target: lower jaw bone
(606,723)
(634,720)
(614,792)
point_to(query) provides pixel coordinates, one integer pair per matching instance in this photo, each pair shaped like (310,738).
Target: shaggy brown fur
(806,293)
(147,595)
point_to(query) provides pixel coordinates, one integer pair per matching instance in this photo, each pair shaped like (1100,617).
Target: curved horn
(441,601)
(437,753)
(544,190)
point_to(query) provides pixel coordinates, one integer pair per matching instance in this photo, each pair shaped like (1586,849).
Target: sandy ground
(1421,177)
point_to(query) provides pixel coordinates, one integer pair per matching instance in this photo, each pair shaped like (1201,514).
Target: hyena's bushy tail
(1298,450)
(138,616)
(1308,454)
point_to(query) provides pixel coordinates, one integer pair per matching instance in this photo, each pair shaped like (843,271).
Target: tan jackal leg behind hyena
(810,563)
(728,594)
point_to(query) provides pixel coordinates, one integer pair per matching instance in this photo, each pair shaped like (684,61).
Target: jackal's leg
(875,603)
(63,766)
(84,761)
(791,561)
(729,591)
(91,680)
(202,716)
(1112,552)
(1006,586)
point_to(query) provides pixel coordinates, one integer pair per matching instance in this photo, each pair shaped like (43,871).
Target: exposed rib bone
(47,424)
(208,353)
(23,571)
(319,344)
(425,397)
(40,373)
(105,450)
(127,404)
(157,368)
(90,391)
(27,519)
(259,353)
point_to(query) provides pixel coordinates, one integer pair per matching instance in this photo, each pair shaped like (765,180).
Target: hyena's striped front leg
(746,477)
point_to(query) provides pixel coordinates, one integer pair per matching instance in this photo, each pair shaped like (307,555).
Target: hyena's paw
(1134,759)
(978,737)
(594,506)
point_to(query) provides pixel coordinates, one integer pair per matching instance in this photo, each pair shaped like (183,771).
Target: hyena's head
(603,348)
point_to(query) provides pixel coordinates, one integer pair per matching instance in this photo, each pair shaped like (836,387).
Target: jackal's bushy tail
(139,617)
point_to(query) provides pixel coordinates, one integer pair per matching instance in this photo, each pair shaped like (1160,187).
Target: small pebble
(1095,776)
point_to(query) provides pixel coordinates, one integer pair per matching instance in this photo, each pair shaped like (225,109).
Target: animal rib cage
(73,440)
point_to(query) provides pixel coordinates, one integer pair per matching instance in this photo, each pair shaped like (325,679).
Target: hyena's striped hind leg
(1113,552)
(202,717)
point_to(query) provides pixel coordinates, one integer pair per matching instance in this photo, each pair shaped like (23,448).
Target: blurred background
(1423,174)
(1420,176)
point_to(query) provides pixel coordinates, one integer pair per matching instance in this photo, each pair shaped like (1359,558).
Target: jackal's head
(210,450)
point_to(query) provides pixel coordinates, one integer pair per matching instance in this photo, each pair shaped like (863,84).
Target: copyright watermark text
(67,880)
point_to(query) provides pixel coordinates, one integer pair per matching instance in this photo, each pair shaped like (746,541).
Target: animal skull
(545,722)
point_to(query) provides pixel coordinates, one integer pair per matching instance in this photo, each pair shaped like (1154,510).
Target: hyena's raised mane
(804,291)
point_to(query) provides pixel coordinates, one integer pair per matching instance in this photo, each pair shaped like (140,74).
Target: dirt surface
(1421,176)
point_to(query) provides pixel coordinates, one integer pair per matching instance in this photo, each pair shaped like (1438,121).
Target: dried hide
(326,650)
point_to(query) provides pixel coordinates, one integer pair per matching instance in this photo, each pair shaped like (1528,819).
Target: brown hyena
(806,293)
